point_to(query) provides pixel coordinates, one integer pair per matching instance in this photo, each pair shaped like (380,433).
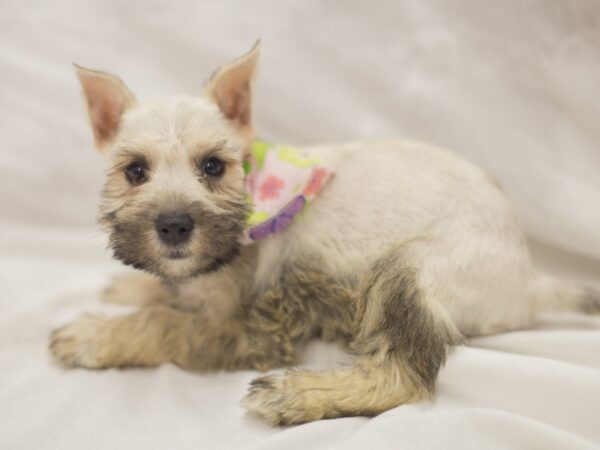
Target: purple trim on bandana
(277,223)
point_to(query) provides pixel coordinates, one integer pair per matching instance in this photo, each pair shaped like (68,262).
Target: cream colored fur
(393,209)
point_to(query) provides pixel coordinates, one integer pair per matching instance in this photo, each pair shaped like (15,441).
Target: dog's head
(174,201)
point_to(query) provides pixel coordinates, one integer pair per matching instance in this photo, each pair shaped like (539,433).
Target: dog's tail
(552,294)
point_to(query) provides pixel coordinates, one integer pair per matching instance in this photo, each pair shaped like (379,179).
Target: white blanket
(511,85)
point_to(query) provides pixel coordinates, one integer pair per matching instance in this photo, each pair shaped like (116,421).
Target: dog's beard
(215,240)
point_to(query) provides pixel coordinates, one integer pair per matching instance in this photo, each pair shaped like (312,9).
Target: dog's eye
(136,172)
(213,167)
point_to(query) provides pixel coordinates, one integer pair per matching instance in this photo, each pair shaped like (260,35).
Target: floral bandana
(280,183)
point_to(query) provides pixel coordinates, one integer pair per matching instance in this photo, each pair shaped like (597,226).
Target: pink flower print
(270,188)
(315,182)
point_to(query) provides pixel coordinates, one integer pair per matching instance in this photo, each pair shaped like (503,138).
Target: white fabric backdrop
(511,85)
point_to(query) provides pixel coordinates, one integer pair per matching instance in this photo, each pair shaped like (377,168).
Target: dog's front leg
(136,289)
(157,335)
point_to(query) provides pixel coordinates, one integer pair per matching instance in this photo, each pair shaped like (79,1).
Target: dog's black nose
(174,228)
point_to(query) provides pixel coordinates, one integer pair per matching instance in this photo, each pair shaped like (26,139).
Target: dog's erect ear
(230,87)
(107,99)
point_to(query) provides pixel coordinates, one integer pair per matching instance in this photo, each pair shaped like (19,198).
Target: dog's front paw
(280,399)
(82,343)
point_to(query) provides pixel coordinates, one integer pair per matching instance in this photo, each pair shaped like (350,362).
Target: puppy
(403,252)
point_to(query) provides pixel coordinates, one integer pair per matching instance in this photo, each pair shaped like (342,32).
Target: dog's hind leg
(403,341)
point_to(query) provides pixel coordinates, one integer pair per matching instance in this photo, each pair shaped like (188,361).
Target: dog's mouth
(214,242)
(178,254)
(177,263)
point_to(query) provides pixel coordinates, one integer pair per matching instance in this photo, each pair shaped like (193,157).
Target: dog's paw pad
(281,400)
(265,398)
(79,343)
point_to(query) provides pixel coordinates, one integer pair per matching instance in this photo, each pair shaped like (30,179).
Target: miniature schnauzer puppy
(405,252)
